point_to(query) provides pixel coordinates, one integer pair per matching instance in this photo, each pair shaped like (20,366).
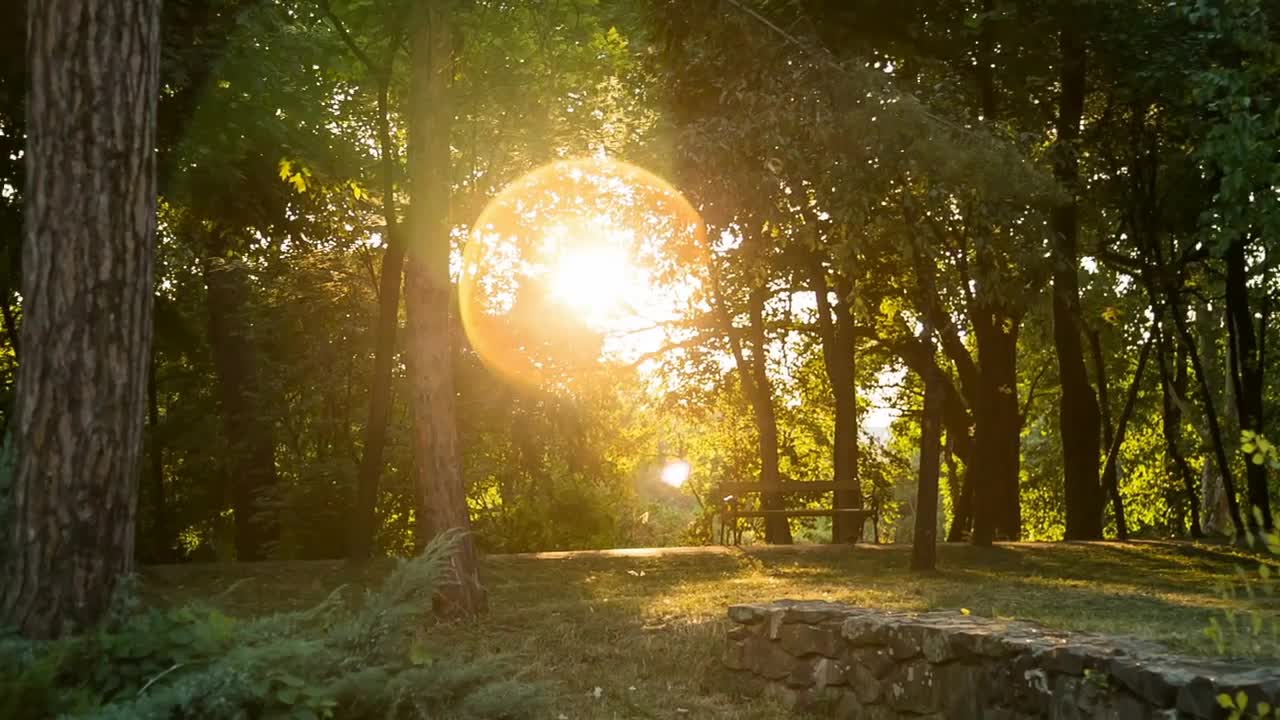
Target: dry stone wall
(847,662)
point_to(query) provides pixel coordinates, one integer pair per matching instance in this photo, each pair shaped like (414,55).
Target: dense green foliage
(895,164)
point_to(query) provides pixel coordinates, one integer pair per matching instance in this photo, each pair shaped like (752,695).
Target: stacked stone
(846,662)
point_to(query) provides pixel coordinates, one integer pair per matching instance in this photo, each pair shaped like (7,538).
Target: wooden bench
(729,495)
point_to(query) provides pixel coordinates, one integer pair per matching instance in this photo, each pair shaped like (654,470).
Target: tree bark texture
(442,492)
(87,257)
(249,431)
(1078,415)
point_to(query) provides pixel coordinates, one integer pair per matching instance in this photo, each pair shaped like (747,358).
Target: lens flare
(577,262)
(676,473)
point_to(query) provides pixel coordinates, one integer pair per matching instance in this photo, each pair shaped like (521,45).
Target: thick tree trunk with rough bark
(89,207)
(1078,415)
(442,492)
(250,464)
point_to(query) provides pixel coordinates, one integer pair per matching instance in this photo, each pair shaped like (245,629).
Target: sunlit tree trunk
(442,493)
(1078,415)
(89,235)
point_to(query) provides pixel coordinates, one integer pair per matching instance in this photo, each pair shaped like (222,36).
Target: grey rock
(802,640)
(747,614)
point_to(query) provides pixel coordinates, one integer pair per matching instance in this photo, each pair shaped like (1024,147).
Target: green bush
(363,657)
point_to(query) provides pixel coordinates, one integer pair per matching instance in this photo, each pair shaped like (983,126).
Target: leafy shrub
(359,658)
(1254,633)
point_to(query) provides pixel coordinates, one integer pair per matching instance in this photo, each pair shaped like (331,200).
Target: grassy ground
(645,627)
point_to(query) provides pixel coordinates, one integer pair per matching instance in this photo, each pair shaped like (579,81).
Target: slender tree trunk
(777,530)
(249,431)
(835,328)
(924,545)
(1173,386)
(389,280)
(442,492)
(1246,370)
(1078,413)
(1216,439)
(89,207)
(1110,469)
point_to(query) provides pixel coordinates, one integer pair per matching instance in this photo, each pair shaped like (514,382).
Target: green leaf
(1224,701)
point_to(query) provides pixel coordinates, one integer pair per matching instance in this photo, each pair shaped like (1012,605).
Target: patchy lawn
(637,634)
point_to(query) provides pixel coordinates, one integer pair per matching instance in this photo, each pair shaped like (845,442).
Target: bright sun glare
(577,262)
(594,282)
(675,473)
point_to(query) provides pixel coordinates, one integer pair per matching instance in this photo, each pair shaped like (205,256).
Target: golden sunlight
(675,473)
(576,263)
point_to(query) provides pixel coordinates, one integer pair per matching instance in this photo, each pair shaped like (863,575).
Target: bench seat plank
(747,488)
(795,513)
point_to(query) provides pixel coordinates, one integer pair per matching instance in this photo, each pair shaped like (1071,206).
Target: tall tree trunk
(89,206)
(442,492)
(249,431)
(1110,469)
(959,423)
(1173,386)
(1078,411)
(364,520)
(1246,370)
(835,328)
(1217,440)
(924,544)
(389,281)
(998,428)
(776,528)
